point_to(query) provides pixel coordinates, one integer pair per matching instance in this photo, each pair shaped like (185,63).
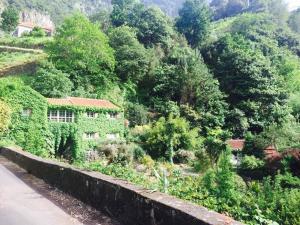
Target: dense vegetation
(225,70)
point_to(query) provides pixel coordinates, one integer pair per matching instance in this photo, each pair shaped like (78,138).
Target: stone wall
(127,203)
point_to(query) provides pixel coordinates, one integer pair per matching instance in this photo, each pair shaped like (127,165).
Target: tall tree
(194,21)
(250,81)
(10,19)
(125,11)
(131,56)
(153,26)
(82,50)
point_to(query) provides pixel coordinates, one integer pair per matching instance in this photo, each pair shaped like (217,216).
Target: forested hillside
(188,85)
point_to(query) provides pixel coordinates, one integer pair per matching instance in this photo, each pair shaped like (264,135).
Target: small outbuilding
(27,27)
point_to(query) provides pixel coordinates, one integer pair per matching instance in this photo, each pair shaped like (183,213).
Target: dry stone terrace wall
(127,203)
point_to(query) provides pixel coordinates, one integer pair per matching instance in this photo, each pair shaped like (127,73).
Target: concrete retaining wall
(127,203)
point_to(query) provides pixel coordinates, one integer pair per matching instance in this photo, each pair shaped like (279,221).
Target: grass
(25,42)
(10,59)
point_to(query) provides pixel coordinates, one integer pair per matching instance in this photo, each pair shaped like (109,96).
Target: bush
(183,156)
(168,135)
(137,114)
(117,152)
(251,162)
(37,32)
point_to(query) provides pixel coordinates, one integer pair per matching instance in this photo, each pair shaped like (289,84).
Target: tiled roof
(32,25)
(236,144)
(82,102)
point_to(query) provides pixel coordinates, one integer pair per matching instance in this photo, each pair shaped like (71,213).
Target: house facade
(81,123)
(27,27)
(65,127)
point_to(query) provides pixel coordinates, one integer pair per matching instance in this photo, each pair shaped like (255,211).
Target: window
(112,136)
(113,115)
(63,116)
(26,112)
(91,114)
(91,136)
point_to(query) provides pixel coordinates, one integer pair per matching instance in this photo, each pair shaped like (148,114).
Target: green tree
(80,49)
(5,114)
(184,78)
(167,136)
(10,19)
(153,26)
(124,12)
(250,81)
(52,83)
(194,21)
(131,56)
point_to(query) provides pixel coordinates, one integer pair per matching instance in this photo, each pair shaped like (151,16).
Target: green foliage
(51,82)
(167,136)
(137,114)
(152,25)
(37,32)
(250,81)
(131,56)
(194,21)
(25,42)
(10,19)
(5,114)
(69,138)
(251,163)
(30,131)
(215,144)
(82,50)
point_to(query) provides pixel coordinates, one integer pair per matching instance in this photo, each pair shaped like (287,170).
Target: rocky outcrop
(35,17)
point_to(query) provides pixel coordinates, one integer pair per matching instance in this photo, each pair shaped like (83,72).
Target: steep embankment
(20,55)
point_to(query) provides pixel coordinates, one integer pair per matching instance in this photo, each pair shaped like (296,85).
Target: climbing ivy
(69,137)
(30,131)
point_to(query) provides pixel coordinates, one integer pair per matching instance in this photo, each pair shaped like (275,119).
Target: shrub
(168,135)
(117,152)
(137,114)
(183,156)
(251,162)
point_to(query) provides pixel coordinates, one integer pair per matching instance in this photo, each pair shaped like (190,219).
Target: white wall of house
(20,30)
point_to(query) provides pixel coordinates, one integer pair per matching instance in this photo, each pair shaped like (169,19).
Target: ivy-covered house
(65,127)
(79,124)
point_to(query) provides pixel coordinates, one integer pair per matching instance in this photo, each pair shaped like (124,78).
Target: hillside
(58,8)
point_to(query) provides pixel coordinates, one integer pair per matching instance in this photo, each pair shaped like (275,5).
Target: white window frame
(112,115)
(61,116)
(26,112)
(91,114)
(113,136)
(91,135)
